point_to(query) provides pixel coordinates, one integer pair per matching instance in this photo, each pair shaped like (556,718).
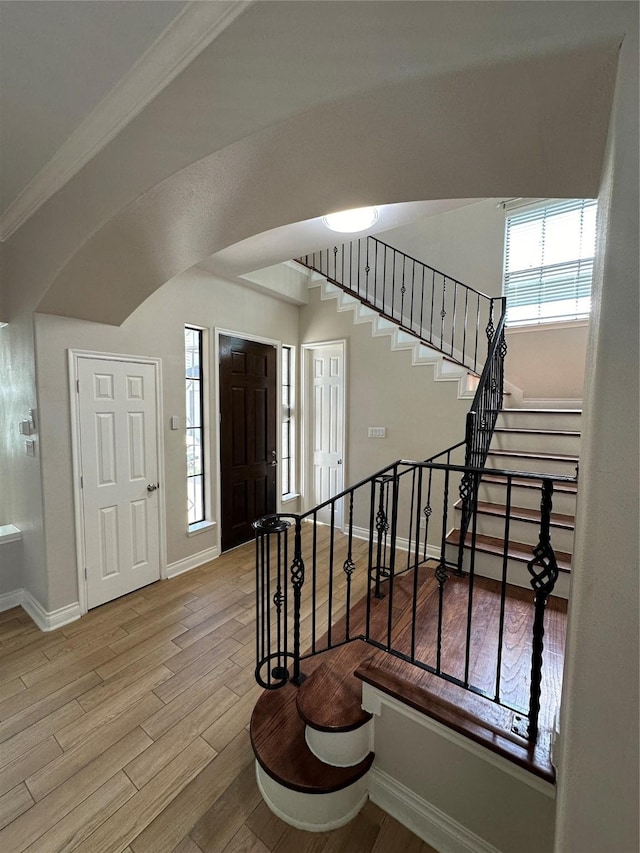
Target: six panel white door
(118,448)
(326,366)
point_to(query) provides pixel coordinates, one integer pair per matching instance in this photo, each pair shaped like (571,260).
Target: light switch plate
(175,422)
(377,432)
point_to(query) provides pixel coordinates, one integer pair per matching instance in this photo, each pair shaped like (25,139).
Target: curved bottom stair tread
(278,740)
(330,698)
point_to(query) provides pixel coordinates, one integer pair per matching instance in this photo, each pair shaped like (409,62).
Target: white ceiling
(58,60)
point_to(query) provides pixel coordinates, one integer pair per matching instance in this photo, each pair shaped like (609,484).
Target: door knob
(152,487)
(339,461)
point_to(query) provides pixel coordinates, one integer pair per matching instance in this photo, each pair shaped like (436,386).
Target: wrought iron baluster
(543,569)
(433,293)
(416,503)
(490,330)
(443,311)
(403,289)
(332,529)
(441,572)
(382,526)
(349,566)
(464,327)
(503,587)
(297,582)
(422,334)
(314,580)
(453,317)
(392,551)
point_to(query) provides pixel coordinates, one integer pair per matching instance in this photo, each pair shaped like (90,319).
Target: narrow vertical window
(287,466)
(194,424)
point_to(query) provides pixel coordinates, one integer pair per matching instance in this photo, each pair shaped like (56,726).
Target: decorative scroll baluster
(543,569)
(349,566)
(382,528)
(297,581)
(490,330)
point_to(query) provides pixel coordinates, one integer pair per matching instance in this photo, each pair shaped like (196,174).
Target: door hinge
(81,482)
(85,572)
(77,386)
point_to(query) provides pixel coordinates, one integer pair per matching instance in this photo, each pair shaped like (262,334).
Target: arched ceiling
(535,127)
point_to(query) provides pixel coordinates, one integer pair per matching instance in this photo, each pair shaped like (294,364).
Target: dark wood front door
(248,409)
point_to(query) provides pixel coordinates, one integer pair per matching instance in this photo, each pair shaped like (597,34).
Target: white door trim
(260,339)
(74,357)
(305,475)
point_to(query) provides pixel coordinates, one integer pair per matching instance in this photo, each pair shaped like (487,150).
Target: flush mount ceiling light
(348,221)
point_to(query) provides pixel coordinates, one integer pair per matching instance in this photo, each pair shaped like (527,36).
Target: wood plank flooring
(127,730)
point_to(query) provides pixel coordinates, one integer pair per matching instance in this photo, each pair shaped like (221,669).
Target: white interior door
(326,365)
(119,465)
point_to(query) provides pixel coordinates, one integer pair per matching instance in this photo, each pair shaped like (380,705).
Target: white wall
(598,777)
(467,243)
(155,329)
(482,797)
(422,417)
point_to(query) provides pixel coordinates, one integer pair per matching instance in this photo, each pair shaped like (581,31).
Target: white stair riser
(340,749)
(536,442)
(521,419)
(522,531)
(443,370)
(531,465)
(312,812)
(490,566)
(530,498)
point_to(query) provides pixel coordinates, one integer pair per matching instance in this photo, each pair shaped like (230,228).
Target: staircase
(444,606)
(543,440)
(444,369)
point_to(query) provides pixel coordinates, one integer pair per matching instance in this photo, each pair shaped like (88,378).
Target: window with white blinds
(549,252)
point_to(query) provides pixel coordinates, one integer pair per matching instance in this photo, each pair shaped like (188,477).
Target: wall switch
(377,432)
(30,447)
(175,422)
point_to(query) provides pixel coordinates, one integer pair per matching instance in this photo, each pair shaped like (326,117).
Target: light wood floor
(127,730)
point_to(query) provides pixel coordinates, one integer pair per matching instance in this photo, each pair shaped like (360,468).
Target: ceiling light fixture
(348,221)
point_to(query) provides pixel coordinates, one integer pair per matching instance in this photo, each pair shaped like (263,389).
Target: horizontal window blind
(549,252)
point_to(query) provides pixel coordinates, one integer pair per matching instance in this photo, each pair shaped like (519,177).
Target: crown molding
(186,36)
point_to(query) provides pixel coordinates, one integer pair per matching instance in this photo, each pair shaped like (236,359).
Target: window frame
(288,417)
(202,522)
(581,267)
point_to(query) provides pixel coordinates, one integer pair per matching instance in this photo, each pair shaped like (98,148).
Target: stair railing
(388,578)
(435,308)
(481,419)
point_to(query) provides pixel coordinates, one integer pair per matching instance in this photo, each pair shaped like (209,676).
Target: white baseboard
(422,818)
(192,562)
(46,620)
(10,599)
(433,553)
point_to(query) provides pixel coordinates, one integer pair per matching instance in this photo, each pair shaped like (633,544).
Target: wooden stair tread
(498,479)
(529,411)
(525,454)
(529,431)
(521,513)
(277,737)
(466,713)
(329,699)
(519,551)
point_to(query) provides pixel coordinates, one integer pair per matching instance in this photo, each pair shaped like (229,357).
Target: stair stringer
(421,354)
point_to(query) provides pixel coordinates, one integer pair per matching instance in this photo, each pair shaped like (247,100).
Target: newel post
(543,569)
